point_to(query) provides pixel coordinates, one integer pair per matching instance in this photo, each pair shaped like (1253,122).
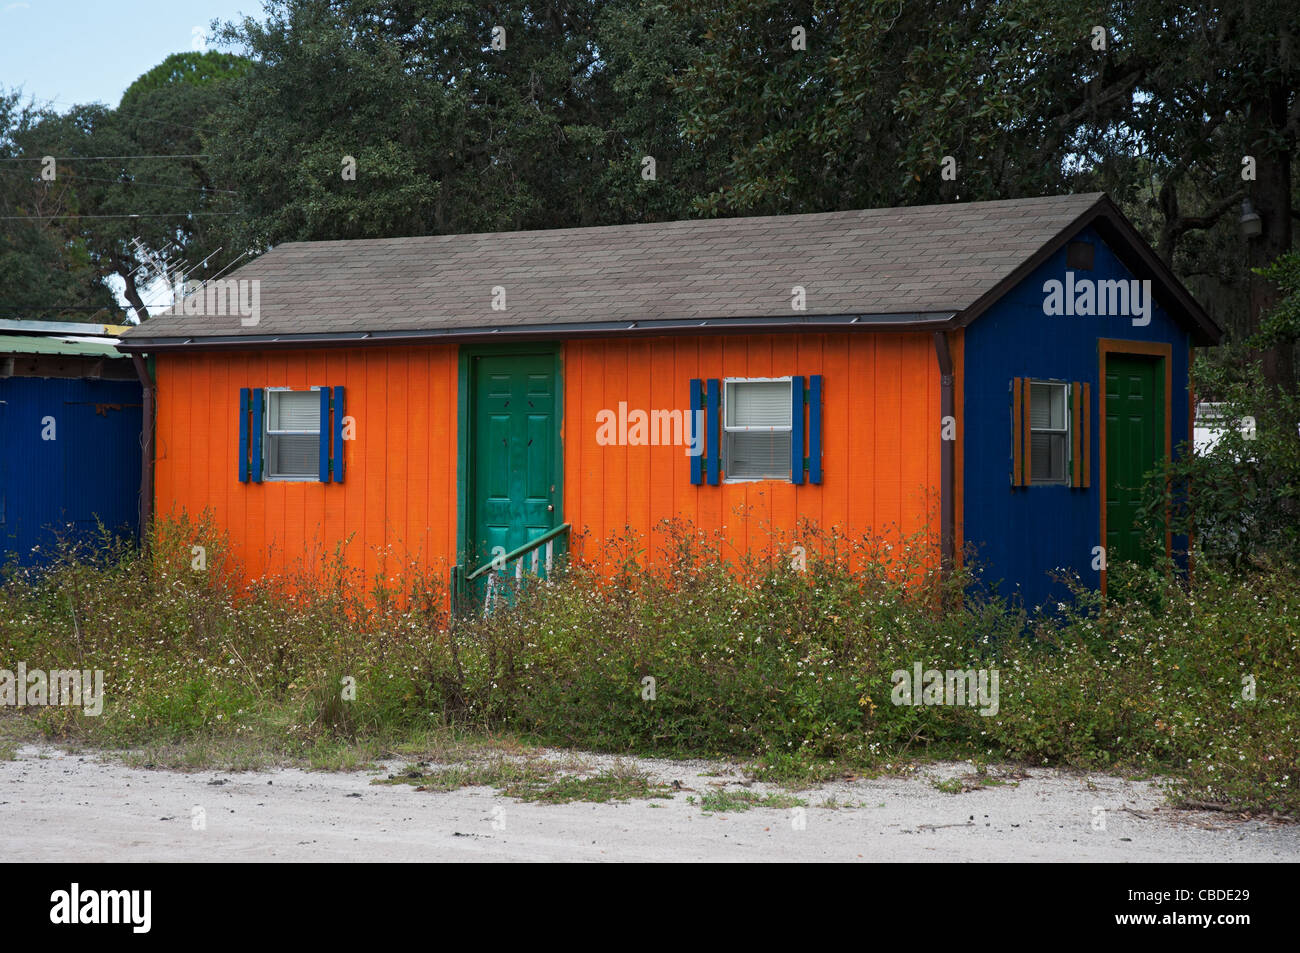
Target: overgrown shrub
(1239,502)
(750,656)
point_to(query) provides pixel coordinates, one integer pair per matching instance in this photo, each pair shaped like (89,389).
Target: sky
(67,52)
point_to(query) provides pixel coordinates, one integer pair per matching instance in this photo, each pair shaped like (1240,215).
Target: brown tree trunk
(1271,190)
(132,293)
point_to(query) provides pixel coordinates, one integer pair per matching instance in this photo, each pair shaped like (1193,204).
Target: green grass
(15,731)
(614,785)
(535,780)
(499,773)
(725,801)
(785,672)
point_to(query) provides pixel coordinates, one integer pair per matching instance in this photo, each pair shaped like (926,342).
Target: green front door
(1135,443)
(514,492)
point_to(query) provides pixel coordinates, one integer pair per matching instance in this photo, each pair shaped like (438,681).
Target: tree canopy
(337,119)
(115,186)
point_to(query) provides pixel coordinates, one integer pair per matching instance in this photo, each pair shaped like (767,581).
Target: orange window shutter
(1027,427)
(1017,436)
(1086,437)
(1076,424)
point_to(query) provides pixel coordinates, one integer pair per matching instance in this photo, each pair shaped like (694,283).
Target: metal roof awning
(67,346)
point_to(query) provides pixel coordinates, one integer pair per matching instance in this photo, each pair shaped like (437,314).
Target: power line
(54,307)
(42,218)
(160,185)
(189,155)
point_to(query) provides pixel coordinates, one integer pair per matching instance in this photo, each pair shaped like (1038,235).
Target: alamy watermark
(129,907)
(222,297)
(650,428)
(954,687)
(39,688)
(1087,297)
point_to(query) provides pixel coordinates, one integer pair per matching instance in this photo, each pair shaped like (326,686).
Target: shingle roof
(936,260)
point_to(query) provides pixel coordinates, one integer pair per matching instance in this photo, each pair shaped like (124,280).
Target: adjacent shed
(70,414)
(938,370)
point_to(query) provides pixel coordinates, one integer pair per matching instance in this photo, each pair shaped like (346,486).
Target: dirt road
(76,807)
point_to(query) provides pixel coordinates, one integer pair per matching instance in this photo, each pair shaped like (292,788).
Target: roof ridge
(1090,197)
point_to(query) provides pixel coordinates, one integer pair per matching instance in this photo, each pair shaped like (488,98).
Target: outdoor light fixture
(1251,224)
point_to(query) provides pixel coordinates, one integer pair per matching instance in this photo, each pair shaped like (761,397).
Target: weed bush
(750,657)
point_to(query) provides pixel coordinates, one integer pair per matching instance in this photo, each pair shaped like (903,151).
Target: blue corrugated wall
(90,470)
(1022,534)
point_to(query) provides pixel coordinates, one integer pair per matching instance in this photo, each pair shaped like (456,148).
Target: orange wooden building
(452,398)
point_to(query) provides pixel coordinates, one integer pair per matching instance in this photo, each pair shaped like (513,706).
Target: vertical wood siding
(399,491)
(881,447)
(89,473)
(1025,534)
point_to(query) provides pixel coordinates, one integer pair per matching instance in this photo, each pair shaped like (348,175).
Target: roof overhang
(814,323)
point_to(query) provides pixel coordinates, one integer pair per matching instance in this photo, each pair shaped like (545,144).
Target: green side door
(1135,443)
(514,492)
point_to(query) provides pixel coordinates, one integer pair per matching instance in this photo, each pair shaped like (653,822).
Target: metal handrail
(500,561)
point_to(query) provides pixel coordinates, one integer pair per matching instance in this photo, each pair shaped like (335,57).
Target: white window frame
(267,433)
(1064,432)
(789,428)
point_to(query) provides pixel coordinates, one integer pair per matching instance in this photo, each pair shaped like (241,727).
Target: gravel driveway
(62,806)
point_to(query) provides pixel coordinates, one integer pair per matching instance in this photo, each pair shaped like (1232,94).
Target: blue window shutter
(697,439)
(796,429)
(323,469)
(338,434)
(815,429)
(243,435)
(713,426)
(259,398)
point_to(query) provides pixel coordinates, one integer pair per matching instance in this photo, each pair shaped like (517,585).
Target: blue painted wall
(91,469)
(1023,533)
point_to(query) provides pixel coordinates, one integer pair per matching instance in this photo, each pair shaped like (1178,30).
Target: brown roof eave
(819,324)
